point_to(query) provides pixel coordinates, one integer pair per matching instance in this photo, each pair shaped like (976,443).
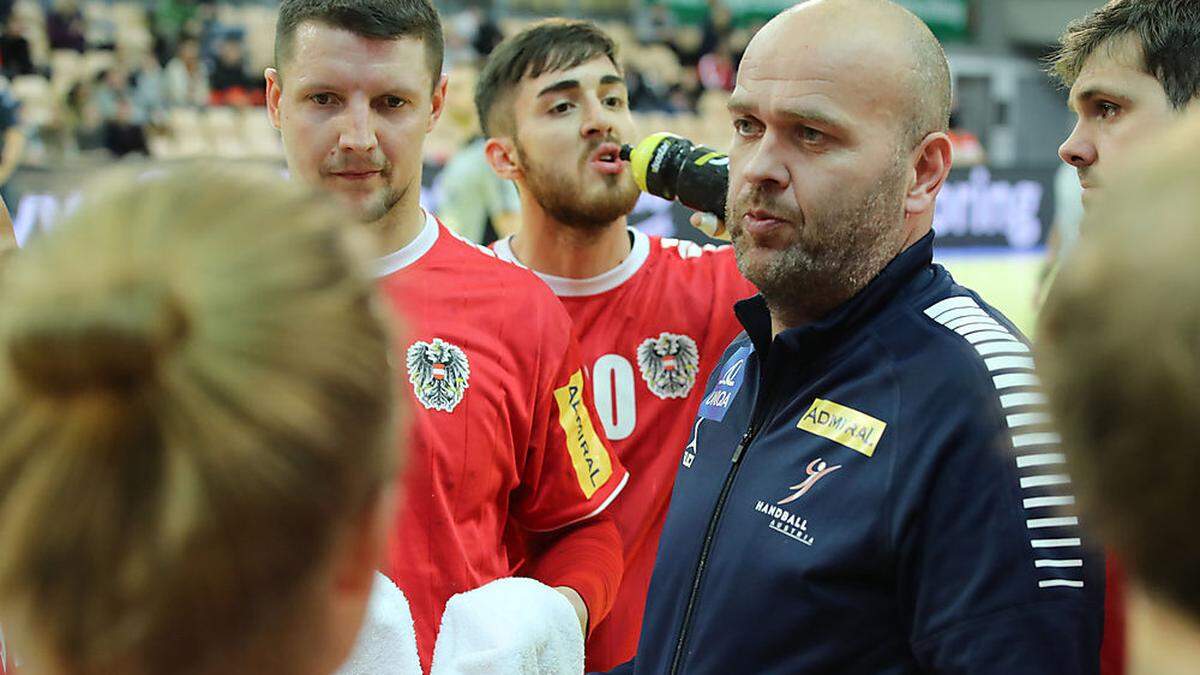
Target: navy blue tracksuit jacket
(877,493)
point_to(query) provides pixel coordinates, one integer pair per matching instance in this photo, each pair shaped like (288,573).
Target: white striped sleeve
(1045,486)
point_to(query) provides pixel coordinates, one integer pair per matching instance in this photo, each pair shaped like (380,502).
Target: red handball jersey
(501,425)
(651,329)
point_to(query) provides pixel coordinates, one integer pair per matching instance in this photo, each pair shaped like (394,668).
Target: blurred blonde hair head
(195,428)
(1119,350)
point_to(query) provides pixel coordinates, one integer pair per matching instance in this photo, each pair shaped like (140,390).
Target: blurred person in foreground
(873,486)
(653,314)
(197,454)
(1119,348)
(503,437)
(1133,69)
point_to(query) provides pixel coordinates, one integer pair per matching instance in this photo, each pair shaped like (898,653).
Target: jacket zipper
(709,534)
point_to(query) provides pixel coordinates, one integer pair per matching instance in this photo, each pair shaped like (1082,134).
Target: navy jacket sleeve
(993,573)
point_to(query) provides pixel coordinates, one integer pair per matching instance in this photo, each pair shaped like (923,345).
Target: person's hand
(577,604)
(710,225)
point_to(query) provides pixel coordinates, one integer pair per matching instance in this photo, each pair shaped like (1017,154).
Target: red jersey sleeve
(570,472)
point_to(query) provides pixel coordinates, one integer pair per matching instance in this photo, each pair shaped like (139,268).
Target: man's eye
(561,108)
(393,101)
(745,127)
(614,101)
(1107,110)
(322,99)
(810,135)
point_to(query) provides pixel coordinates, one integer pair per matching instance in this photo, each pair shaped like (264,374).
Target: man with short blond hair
(1119,342)
(1133,68)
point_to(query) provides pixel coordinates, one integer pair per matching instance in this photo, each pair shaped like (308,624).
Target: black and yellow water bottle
(674,168)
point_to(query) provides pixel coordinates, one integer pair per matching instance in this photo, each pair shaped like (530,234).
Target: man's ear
(274,93)
(439,103)
(501,154)
(927,173)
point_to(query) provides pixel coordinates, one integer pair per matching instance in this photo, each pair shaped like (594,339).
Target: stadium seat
(261,139)
(36,97)
(224,129)
(97,61)
(66,69)
(188,136)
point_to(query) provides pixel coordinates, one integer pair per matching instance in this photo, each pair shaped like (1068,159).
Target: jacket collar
(868,302)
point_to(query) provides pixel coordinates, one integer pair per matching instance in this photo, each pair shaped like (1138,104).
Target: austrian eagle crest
(439,372)
(669,364)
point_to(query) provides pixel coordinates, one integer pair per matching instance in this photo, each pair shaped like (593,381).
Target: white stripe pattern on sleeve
(1052,525)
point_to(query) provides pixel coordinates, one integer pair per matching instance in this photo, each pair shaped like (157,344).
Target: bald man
(871,484)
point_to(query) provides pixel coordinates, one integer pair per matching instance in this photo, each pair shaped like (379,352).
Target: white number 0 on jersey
(616,401)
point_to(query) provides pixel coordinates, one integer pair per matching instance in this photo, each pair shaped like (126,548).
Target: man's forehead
(588,73)
(316,44)
(335,57)
(792,83)
(1115,71)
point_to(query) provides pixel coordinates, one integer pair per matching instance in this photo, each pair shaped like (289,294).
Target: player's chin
(364,205)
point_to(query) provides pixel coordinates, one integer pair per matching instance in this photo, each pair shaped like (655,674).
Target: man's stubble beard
(560,195)
(380,204)
(836,253)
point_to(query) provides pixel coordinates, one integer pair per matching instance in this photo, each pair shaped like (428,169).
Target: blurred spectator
(65,26)
(229,80)
(654,24)
(718,25)
(12,138)
(487,33)
(172,21)
(685,96)
(187,76)
(123,134)
(716,68)
(150,90)
(966,148)
(82,121)
(646,94)
(475,202)
(1064,230)
(15,59)
(111,87)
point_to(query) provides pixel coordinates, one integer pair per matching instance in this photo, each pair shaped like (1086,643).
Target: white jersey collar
(566,287)
(412,251)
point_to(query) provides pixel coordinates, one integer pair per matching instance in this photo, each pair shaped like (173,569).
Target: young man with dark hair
(502,433)
(653,314)
(1133,68)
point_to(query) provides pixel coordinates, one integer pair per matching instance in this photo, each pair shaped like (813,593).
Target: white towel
(509,627)
(387,643)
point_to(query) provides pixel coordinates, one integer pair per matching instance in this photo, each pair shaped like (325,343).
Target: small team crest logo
(669,364)
(816,470)
(439,372)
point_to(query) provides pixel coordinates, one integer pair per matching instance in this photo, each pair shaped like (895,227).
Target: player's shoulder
(713,268)
(957,345)
(674,250)
(509,279)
